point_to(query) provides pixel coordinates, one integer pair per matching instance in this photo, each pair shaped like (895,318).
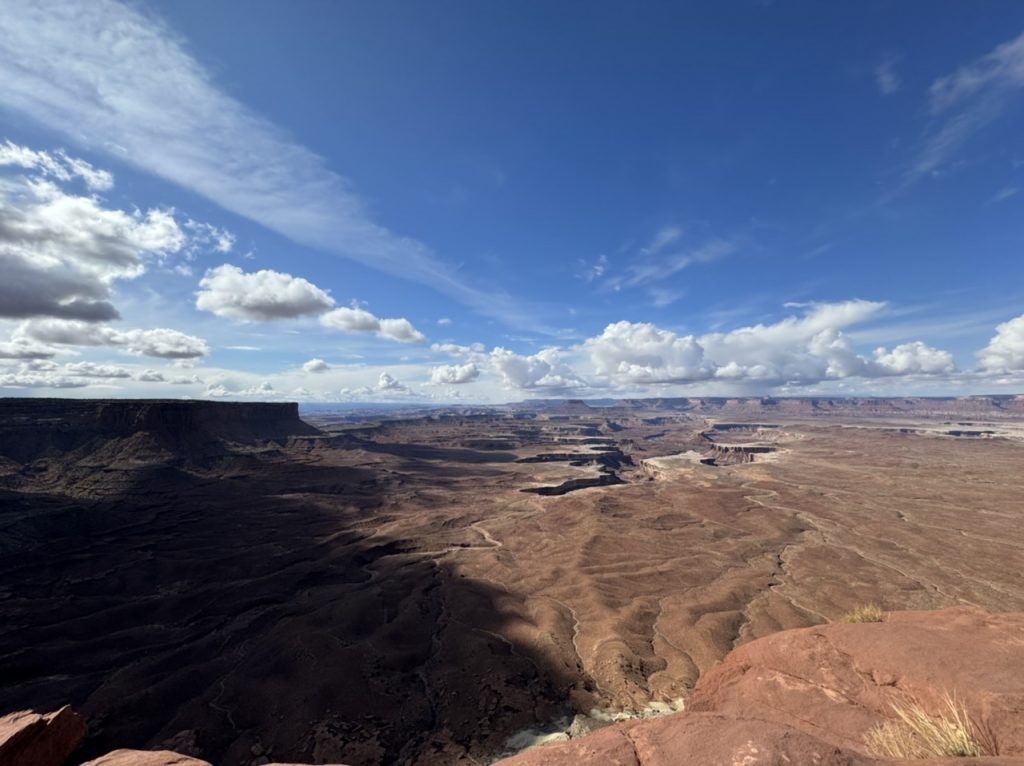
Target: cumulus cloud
(259,296)
(316,365)
(262,390)
(387,387)
(1005,351)
(61,252)
(40,380)
(359,320)
(914,359)
(797,350)
(454,374)
(544,370)
(25,348)
(643,353)
(160,342)
(388,383)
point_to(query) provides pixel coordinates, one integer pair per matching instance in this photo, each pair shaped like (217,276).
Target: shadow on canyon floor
(234,616)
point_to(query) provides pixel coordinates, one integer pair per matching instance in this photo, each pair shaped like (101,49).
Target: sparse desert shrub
(915,734)
(864,613)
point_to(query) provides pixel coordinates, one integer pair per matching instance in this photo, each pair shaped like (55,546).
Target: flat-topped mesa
(994,406)
(31,428)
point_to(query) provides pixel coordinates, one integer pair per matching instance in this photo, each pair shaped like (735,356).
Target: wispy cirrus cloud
(886,78)
(666,254)
(965,101)
(119,81)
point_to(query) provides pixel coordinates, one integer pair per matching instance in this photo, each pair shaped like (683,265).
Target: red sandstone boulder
(837,681)
(145,758)
(809,696)
(700,739)
(156,758)
(34,739)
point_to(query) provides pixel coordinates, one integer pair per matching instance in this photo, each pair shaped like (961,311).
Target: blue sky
(462,201)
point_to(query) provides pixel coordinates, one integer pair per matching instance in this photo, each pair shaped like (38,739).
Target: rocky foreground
(805,696)
(809,696)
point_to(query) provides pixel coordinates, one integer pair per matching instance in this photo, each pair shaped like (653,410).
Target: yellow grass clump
(864,613)
(915,734)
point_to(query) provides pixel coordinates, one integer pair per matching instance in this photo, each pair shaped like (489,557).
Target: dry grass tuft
(915,734)
(863,613)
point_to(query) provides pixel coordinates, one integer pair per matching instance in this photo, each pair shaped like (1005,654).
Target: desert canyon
(240,585)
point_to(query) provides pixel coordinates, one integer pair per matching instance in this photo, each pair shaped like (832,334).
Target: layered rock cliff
(33,428)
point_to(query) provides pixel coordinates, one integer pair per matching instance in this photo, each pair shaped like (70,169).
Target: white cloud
(643,353)
(454,349)
(262,390)
(58,166)
(40,380)
(590,271)
(316,365)
(91,370)
(401,330)
(1002,67)
(205,236)
(444,321)
(351,319)
(259,296)
(665,236)
(914,359)
(388,383)
(117,80)
(662,296)
(543,370)
(886,78)
(1005,351)
(454,374)
(159,342)
(663,258)
(25,348)
(1004,194)
(60,252)
(355,319)
(797,350)
(973,96)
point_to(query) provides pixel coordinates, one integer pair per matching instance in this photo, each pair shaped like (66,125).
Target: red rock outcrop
(145,758)
(34,739)
(161,758)
(809,696)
